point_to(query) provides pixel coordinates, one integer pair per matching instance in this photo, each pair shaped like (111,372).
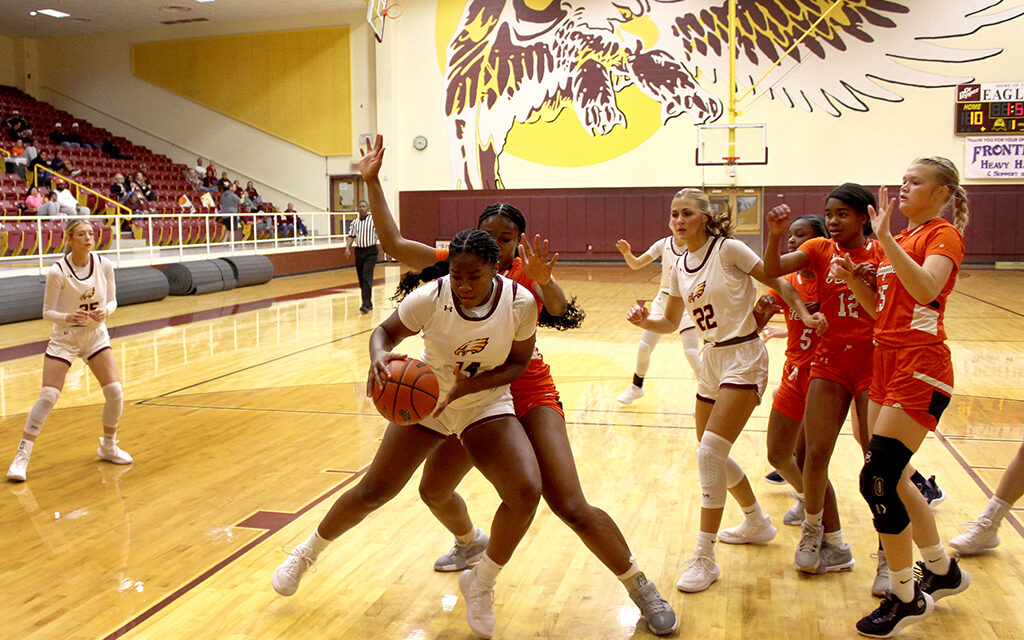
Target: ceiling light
(53,13)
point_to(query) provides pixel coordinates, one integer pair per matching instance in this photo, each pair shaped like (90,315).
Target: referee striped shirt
(363,232)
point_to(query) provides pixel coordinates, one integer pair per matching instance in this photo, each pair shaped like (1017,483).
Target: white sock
(901,583)
(753,513)
(633,578)
(935,559)
(469,538)
(996,509)
(26,446)
(706,544)
(109,439)
(799,496)
(487,570)
(834,538)
(813,518)
(316,544)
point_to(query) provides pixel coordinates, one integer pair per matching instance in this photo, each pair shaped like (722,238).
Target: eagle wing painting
(510,62)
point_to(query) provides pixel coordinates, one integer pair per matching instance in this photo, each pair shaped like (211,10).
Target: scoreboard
(992,108)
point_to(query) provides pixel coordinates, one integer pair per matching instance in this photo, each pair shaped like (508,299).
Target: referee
(364,236)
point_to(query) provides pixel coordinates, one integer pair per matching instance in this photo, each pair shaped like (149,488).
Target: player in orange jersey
(912,383)
(536,405)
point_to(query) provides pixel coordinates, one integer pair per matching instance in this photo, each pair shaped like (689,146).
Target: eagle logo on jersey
(88,294)
(473,346)
(696,293)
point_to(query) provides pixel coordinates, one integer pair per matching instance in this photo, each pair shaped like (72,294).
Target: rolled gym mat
(23,298)
(140,284)
(227,274)
(187,278)
(250,270)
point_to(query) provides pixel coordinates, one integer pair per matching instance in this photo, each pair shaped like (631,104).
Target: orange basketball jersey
(901,321)
(848,322)
(801,340)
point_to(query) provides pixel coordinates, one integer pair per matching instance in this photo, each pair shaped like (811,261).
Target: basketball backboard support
(748,144)
(376,11)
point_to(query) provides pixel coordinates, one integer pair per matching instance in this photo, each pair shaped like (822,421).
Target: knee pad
(113,404)
(41,409)
(733,472)
(711,463)
(879,479)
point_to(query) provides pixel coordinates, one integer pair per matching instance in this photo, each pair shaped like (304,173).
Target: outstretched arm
(627,255)
(409,252)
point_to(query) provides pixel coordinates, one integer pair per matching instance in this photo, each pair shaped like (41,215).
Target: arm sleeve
(51,295)
(108,275)
(655,250)
(738,254)
(524,310)
(418,306)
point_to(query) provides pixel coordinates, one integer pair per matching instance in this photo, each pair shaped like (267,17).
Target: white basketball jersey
(668,251)
(453,338)
(80,289)
(718,294)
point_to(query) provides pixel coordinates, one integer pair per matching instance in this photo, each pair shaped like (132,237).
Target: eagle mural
(510,61)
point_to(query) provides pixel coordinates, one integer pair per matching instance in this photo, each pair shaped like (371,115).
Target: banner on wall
(991,157)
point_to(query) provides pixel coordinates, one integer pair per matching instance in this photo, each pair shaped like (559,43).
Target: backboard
(749,144)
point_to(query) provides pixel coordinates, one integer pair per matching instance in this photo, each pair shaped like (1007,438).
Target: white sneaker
(632,393)
(479,603)
(287,576)
(795,516)
(881,582)
(113,453)
(747,532)
(983,534)
(461,555)
(808,551)
(19,468)
(700,574)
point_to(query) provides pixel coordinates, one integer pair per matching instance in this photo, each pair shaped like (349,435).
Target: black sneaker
(894,614)
(938,587)
(774,478)
(931,492)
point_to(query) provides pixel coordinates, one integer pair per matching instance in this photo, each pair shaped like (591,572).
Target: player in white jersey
(79,297)
(667,249)
(479,331)
(712,281)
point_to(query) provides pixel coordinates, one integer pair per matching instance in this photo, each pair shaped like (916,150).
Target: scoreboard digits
(993,108)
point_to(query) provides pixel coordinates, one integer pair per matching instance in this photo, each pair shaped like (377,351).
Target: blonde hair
(717,224)
(947,176)
(69,230)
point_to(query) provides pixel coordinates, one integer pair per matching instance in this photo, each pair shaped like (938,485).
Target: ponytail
(947,176)
(412,279)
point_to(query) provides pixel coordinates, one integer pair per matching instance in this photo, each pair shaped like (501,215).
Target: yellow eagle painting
(510,61)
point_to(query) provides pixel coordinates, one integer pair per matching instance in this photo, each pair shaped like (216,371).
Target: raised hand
(881,217)
(536,265)
(369,164)
(842,268)
(623,247)
(778,220)
(638,314)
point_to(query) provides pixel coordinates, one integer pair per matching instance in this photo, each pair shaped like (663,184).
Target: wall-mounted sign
(988,157)
(990,108)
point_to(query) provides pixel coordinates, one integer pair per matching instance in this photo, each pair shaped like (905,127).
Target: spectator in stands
(57,135)
(16,125)
(19,148)
(118,191)
(296,221)
(192,177)
(30,151)
(33,200)
(229,202)
(49,208)
(200,168)
(73,138)
(224,184)
(69,204)
(246,202)
(16,162)
(211,175)
(60,166)
(112,150)
(45,163)
(147,191)
(251,191)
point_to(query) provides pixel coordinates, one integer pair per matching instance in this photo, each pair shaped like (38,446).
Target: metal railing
(29,244)
(113,208)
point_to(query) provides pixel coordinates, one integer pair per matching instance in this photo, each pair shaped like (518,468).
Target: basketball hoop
(377,11)
(730,160)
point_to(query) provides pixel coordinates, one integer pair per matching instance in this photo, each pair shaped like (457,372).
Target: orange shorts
(535,388)
(918,380)
(846,364)
(791,396)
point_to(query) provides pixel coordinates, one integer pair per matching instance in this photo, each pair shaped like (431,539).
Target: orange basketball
(409,395)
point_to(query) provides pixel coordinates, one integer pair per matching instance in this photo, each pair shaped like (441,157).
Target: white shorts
(456,420)
(658,309)
(740,366)
(77,342)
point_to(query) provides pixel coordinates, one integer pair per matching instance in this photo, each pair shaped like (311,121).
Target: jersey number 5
(704,317)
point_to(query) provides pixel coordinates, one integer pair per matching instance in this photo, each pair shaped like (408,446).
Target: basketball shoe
(18,470)
(463,555)
(983,534)
(479,603)
(938,587)
(893,614)
(774,478)
(747,532)
(881,582)
(661,619)
(808,551)
(632,393)
(795,516)
(835,558)
(113,453)
(289,573)
(700,574)
(931,492)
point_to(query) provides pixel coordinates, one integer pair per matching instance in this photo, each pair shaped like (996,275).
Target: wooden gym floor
(245,413)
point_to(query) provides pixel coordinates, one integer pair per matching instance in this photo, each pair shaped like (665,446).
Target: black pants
(366,259)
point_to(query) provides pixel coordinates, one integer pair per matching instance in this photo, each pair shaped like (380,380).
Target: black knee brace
(883,465)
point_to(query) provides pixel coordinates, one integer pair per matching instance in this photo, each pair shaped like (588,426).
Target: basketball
(409,395)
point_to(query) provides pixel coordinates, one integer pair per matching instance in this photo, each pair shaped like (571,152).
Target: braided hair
(947,176)
(857,198)
(817,224)
(472,241)
(717,224)
(504,209)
